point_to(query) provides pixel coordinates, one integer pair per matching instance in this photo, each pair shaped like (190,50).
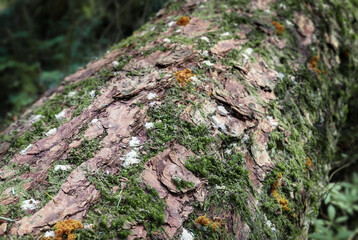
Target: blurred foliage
(339,221)
(43,41)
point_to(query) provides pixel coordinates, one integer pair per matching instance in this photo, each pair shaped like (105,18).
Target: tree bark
(224,128)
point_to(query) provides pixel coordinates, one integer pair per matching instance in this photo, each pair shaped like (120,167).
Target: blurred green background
(42,41)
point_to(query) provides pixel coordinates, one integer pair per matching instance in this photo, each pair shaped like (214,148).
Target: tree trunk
(219,126)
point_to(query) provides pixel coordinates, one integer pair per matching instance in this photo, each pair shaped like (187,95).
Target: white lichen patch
(208,63)
(35,118)
(88,226)
(30,204)
(171,23)
(61,115)
(151,96)
(195,80)
(97,123)
(149,125)
(92,93)
(186,235)
(152,29)
(289,23)
(228,151)
(225,34)
(249,51)
(206,53)
(24,151)
(220,187)
(51,131)
(72,94)
(130,158)
(115,63)
(134,142)
(218,124)
(166,40)
(280,75)
(206,39)
(269,224)
(222,111)
(62,167)
(246,58)
(272,121)
(50,234)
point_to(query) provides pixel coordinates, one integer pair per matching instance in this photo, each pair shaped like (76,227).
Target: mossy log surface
(222,125)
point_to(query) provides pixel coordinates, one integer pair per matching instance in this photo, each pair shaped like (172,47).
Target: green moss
(169,126)
(85,151)
(181,183)
(134,204)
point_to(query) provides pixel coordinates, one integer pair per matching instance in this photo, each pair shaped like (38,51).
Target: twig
(51,198)
(7,219)
(120,197)
(339,169)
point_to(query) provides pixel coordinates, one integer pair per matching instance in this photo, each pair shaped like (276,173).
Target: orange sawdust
(184,76)
(279,27)
(183,21)
(309,163)
(274,192)
(313,64)
(207,222)
(66,227)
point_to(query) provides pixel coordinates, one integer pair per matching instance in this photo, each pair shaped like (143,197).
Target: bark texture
(236,148)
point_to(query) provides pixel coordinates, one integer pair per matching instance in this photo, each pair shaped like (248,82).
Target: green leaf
(331,212)
(341,219)
(319,236)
